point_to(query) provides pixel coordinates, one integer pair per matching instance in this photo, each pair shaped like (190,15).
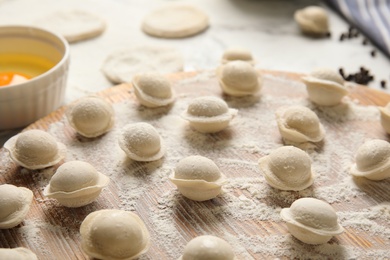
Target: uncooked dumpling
(385,117)
(239,78)
(153,89)
(287,168)
(237,53)
(208,247)
(198,178)
(91,116)
(299,124)
(141,142)
(19,253)
(175,21)
(325,87)
(76,184)
(372,160)
(35,149)
(14,204)
(114,234)
(313,20)
(311,221)
(208,114)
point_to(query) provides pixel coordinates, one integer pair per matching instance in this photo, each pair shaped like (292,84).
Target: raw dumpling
(239,78)
(141,142)
(287,168)
(114,234)
(208,247)
(19,253)
(198,178)
(209,114)
(299,124)
(236,53)
(313,20)
(91,116)
(311,221)
(385,117)
(14,204)
(76,184)
(35,149)
(325,87)
(372,160)
(153,89)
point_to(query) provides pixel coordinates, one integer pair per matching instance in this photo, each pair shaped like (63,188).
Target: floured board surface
(246,214)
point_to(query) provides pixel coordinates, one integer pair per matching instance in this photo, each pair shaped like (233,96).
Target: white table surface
(265,27)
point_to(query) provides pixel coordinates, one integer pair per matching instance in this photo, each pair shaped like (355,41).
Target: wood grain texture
(51,231)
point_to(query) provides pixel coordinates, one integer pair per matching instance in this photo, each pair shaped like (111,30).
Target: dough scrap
(121,65)
(175,21)
(74,25)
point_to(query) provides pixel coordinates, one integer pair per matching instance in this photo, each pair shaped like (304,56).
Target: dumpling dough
(372,160)
(287,168)
(35,149)
(141,142)
(19,253)
(311,221)
(198,178)
(153,89)
(209,114)
(208,247)
(325,87)
(74,25)
(114,234)
(313,20)
(175,21)
(91,116)
(76,184)
(239,78)
(299,124)
(14,204)
(237,53)
(121,65)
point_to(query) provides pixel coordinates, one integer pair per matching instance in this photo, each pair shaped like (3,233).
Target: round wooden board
(51,231)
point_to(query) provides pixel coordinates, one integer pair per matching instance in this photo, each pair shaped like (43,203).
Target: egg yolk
(12,78)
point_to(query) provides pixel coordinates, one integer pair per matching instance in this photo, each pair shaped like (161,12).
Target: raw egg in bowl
(33,72)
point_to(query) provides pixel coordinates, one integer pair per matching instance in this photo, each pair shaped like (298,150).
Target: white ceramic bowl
(24,103)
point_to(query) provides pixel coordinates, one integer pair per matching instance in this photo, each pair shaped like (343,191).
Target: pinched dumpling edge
(86,226)
(17,217)
(150,101)
(10,146)
(68,114)
(291,134)
(237,50)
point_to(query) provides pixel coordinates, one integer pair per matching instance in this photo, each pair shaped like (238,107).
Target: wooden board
(245,213)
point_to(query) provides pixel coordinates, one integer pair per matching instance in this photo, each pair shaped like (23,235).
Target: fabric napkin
(372,17)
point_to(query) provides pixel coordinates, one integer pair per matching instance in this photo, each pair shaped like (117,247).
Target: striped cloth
(372,17)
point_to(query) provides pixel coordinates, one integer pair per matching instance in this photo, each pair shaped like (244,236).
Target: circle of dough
(114,234)
(74,25)
(121,65)
(141,142)
(208,247)
(35,149)
(197,167)
(175,21)
(91,116)
(287,168)
(14,204)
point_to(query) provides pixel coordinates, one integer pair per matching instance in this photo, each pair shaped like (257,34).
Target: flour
(246,213)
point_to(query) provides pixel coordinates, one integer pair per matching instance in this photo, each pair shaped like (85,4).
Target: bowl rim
(64,58)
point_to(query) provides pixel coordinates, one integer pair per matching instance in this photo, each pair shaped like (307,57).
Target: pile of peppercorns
(363,76)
